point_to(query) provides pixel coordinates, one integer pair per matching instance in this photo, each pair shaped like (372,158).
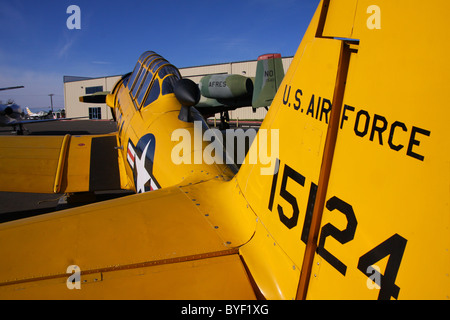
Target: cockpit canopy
(152,76)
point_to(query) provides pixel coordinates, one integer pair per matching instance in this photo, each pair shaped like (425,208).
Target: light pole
(51,100)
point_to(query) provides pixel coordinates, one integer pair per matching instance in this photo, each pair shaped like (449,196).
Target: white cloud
(64,49)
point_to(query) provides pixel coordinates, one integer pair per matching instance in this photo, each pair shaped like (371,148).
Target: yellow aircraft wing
(51,164)
(156,245)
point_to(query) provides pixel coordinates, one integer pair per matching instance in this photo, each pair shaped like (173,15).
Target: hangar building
(74,87)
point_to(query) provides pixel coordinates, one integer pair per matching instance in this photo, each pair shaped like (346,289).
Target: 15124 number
(393,247)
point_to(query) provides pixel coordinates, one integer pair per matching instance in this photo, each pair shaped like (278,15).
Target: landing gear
(224,120)
(20,131)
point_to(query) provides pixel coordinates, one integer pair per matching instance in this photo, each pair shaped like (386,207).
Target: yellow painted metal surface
(300,111)
(234,221)
(163,127)
(339,18)
(161,120)
(61,163)
(222,277)
(76,177)
(51,164)
(148,230)
(274,272)
(29,163)
(380,212)
(390,170)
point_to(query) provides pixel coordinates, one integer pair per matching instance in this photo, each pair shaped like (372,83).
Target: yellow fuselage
(156,121)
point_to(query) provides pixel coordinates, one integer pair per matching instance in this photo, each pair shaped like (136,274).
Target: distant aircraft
(12,115)
(355,206)
(34,115)
(10,109)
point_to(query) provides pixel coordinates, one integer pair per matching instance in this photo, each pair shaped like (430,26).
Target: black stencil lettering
(344,116)
(309,212)
(325,110)
(394,247)
(311,107)
(297,177)
(343,236)
(297,98)
(414,142)
(274,183)
(395,125)
(286,99)
(366,124)
(379,129)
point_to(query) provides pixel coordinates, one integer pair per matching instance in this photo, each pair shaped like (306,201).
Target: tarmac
(73,127)
(14,205)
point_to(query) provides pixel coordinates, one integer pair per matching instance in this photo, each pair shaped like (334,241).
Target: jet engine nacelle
(226,86)
(10,109)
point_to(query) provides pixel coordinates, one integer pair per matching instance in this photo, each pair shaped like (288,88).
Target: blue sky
(37,49)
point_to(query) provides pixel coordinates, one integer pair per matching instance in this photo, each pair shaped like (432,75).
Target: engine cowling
(226,86)
(11,110)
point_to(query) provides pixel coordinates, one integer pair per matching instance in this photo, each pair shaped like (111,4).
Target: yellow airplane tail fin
(29,111)
(351,180)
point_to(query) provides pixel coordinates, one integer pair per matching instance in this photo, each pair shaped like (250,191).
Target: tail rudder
(339,213)
(269,74)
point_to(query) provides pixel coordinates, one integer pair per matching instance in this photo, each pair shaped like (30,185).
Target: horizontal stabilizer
(11,88)
(14,123)
(52,164)
(98,97)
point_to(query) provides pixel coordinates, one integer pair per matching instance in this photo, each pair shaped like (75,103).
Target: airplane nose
(187,92)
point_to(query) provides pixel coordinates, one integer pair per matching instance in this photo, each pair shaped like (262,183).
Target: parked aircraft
(12,115)
(224,92)
(10,111)
(221,93)
(34,115)
(355,207)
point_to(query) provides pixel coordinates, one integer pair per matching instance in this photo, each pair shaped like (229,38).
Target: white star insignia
(141,172)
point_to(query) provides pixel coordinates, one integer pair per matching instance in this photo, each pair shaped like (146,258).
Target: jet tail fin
(269,74)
